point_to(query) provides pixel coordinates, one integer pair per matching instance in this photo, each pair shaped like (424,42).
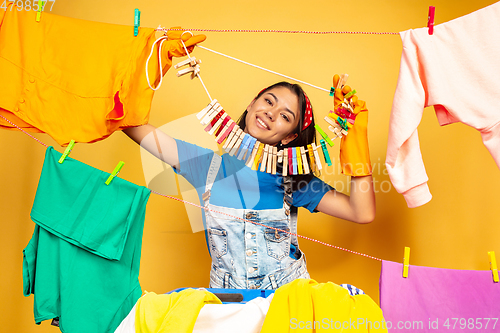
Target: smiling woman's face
(273,116)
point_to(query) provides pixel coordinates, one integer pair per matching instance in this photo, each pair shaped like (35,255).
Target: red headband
(308,113)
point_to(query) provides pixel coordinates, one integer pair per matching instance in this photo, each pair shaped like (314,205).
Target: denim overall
(246,255)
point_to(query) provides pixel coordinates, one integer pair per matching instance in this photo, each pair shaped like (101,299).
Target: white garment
(220,318)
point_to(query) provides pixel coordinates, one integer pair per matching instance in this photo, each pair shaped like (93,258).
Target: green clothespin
(332,91)
(325,152)
(342,122)
(349,94)
(324,135)
(68,150)
(137,21)
(115,172)
(41,4)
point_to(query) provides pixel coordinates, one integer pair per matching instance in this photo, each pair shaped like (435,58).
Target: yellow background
(454,230)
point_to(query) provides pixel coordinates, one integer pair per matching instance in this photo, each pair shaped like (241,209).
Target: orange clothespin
(493,265)
(311,158)
(430,19)
(406,262)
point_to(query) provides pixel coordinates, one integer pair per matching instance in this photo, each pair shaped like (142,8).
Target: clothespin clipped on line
(194,67)
(332,91)
(430,19)
(493,265)
(406,262)
(115,172)
(68,150)
(137,21)
(41,5)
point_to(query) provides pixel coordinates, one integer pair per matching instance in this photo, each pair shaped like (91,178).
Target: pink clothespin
(430,19)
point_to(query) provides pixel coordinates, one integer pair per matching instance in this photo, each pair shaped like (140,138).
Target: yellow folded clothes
(175,312)
(71,78)
(304,305)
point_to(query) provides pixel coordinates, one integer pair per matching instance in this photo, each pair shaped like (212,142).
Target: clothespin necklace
(264,157)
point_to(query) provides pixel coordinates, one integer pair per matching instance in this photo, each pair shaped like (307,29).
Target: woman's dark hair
(304,138)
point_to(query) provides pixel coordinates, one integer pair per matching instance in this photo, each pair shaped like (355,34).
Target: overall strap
(212,173)
(290,210)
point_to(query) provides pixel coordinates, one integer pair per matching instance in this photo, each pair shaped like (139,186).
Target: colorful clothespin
(41,5)
(324,135)
(68,150)
(299,160)
(137,21)
(406,262)
(430,19)
(115,172)
(349,94)
(240,154)
(325,152)
(311,158)
(332,91)
(230,126)
(222,126)
(256,161)
(294,161)
(493,265)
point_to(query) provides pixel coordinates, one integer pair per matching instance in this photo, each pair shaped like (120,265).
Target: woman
(251,256)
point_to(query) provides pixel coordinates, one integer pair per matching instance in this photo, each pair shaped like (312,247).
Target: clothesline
(282,31)
(235,217)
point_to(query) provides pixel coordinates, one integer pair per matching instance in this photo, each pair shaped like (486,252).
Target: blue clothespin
(115,172)
(137,22)
(294,161)
(332,91)
(243,147)
(68,150)
(325,152)
(41,5)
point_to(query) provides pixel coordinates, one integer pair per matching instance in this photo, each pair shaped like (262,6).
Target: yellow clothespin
(311,158)
(256,161)
(68,150)
(406,262)
(493,265)
(299,160)
(41,5)
(115,172)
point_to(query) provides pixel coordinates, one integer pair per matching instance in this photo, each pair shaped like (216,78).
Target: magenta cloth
(429,299)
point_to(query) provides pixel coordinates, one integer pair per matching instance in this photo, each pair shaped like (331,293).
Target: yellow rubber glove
(354,152)
(173,46)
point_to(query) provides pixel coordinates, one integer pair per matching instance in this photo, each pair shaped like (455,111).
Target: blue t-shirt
(238,186)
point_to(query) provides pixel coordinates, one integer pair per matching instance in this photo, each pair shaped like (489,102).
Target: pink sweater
(457,70)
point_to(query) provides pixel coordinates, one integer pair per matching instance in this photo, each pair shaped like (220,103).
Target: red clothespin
(430,19)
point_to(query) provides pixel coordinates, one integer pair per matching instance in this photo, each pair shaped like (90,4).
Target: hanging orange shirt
(71,78)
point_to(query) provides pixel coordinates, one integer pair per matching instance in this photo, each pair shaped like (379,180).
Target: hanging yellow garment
(175,312)
(74,79)
(304,305)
